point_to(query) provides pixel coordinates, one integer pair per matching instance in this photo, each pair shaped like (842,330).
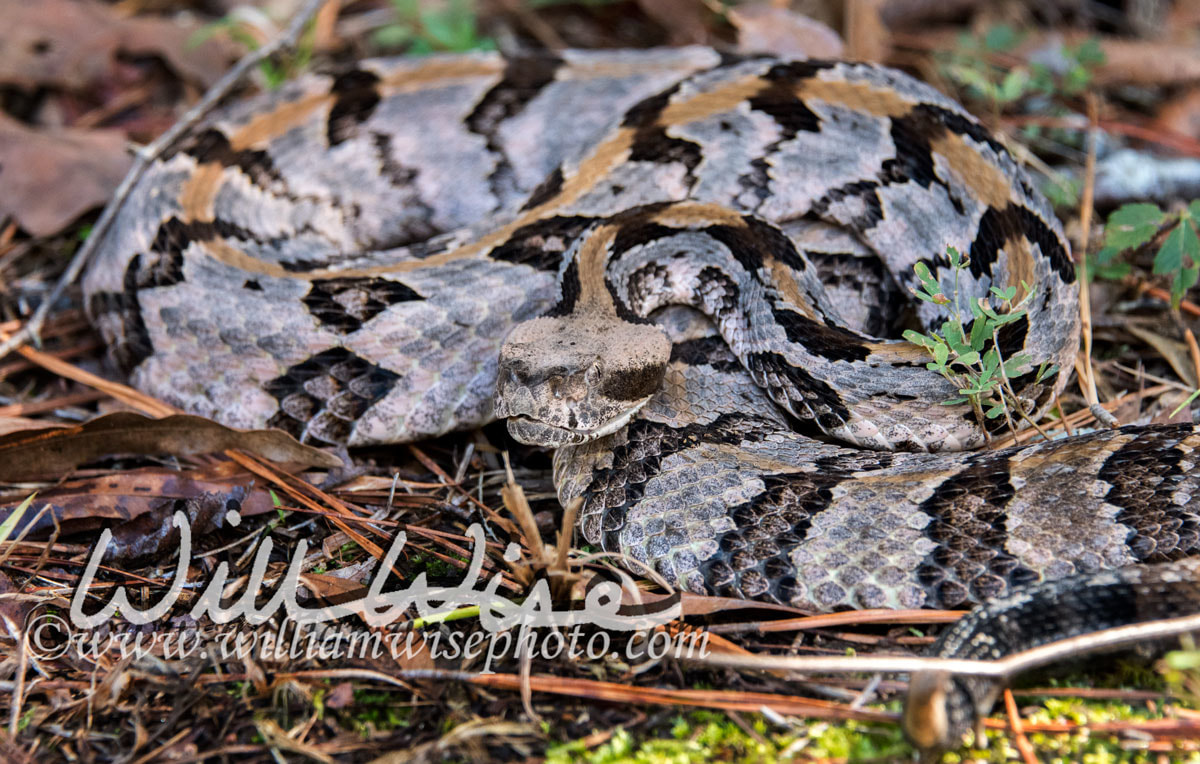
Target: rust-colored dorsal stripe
(594,251)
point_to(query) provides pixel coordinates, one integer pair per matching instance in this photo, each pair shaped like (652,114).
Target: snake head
(570,379)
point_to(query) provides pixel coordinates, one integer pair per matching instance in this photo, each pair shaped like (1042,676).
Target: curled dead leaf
(154,533)
(55,452)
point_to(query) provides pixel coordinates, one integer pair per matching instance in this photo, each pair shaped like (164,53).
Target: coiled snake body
(344,259)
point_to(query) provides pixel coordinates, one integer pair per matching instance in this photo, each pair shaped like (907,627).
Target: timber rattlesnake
(343,258)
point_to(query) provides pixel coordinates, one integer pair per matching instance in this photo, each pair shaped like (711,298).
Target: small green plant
(970,358)
(1181,669)
(1131,226)
(972,66)
(426,28)
(1063,192)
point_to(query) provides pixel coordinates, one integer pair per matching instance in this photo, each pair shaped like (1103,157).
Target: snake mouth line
(534,432)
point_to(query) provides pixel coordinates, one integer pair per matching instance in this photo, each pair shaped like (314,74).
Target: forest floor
(1100,99)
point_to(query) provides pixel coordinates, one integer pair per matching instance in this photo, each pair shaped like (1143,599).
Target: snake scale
(703,257)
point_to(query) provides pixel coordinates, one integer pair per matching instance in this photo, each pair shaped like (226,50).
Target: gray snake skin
(665,263)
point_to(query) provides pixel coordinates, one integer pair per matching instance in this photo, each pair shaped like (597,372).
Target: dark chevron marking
(652,144)
(174,235)
(1144,475)
(705,351)
(212,145)
(569,289)
(321,398)
(798,71)
(419,227)
(817,399)
(619,487)
(541,245)
(637,233)
(970,562)
(757,239)
(866,191)
(778,100)
(647,112)
(827,341)
(999,225)
(524,77)
(133,343)
(755,560)
(355,97)
(398,174)
(344,305)
(546,191)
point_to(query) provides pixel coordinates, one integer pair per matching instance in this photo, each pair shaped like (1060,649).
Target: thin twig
(1082,417)
(148,154)
(1018,729)
(1159,293)
(1002,668)
(1087,381)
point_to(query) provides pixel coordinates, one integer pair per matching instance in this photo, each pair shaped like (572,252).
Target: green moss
(712,736)
(435,567)
(375,711)
(699,736)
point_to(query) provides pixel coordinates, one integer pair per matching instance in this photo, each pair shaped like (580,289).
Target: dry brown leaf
(1173,409)
(56,452)
(55,42)
(1173,352)
(202,63)
(51,177)
(154,533)
(80,506)
(73,43)
(767,28)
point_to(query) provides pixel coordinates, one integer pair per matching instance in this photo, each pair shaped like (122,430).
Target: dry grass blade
(123,393)
(725,700)
(1014,721)
(847,618)
(1087,374)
